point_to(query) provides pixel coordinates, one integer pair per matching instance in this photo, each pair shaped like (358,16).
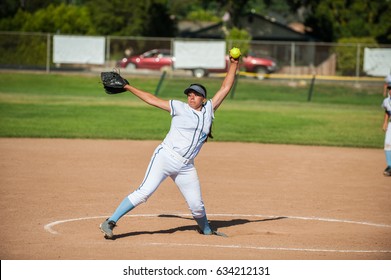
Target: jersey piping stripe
(194,134)
(203,124)
(200,129)
(150,167)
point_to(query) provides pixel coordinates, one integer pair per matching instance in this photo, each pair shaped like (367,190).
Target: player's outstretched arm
(149,98)
(227,84)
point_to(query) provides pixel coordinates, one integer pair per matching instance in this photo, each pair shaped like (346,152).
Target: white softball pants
(164,163)
(387,139)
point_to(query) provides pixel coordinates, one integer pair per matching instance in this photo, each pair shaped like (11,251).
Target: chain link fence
(35,51)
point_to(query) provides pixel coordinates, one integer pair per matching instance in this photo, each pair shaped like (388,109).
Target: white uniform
(174,157)
(387,106)
(387,79)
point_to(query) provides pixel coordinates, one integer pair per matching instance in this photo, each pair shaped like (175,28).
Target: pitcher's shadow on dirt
(215,224)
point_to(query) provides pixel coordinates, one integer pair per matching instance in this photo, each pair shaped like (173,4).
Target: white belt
(176,155)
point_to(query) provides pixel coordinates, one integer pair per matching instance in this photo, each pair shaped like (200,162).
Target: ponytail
(210,133)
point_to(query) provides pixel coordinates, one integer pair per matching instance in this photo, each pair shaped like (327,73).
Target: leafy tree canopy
(132,18)
(329,20)
(335,19)
(62,18)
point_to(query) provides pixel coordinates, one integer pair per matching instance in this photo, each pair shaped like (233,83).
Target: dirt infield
(273,201)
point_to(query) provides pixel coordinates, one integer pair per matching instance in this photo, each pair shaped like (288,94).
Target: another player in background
(387,128)
(190,128)
(387,83)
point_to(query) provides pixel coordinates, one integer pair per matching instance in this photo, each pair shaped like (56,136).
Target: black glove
(113,83)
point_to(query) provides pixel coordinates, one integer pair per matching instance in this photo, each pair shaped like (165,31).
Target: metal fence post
(159,85)
(48,50)
(311,88)
(107,51)
(358,62)
(292,59)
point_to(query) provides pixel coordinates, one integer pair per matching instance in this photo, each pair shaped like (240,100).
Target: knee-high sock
(388,157)
(204,225)
(122,209)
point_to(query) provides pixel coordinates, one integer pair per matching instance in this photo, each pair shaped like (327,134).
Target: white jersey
(189,128)
(387,140)
(387,105)
(387,79)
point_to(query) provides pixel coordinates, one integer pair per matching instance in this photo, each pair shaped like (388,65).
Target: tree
(68,19)
(329,20)
(239,38)
(158,23)
(180,9)
(8,8)
(347,52)
(117,17)
(235,8)
(335,19)
(132,18)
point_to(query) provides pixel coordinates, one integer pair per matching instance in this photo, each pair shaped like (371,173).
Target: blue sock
(122,209)
(388,157)
(204,225)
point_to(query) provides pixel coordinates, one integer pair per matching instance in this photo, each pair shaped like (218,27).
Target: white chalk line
(266,248)
(49,228)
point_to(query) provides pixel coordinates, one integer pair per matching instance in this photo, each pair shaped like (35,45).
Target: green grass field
(75,106)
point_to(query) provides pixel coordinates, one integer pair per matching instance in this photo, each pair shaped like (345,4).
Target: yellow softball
(235,52)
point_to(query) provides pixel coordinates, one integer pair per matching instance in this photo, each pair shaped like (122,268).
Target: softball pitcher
(174,157)
(387,128)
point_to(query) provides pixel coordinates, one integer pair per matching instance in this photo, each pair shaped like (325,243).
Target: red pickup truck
(156,59)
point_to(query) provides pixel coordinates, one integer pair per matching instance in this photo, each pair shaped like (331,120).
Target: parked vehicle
(156,59)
